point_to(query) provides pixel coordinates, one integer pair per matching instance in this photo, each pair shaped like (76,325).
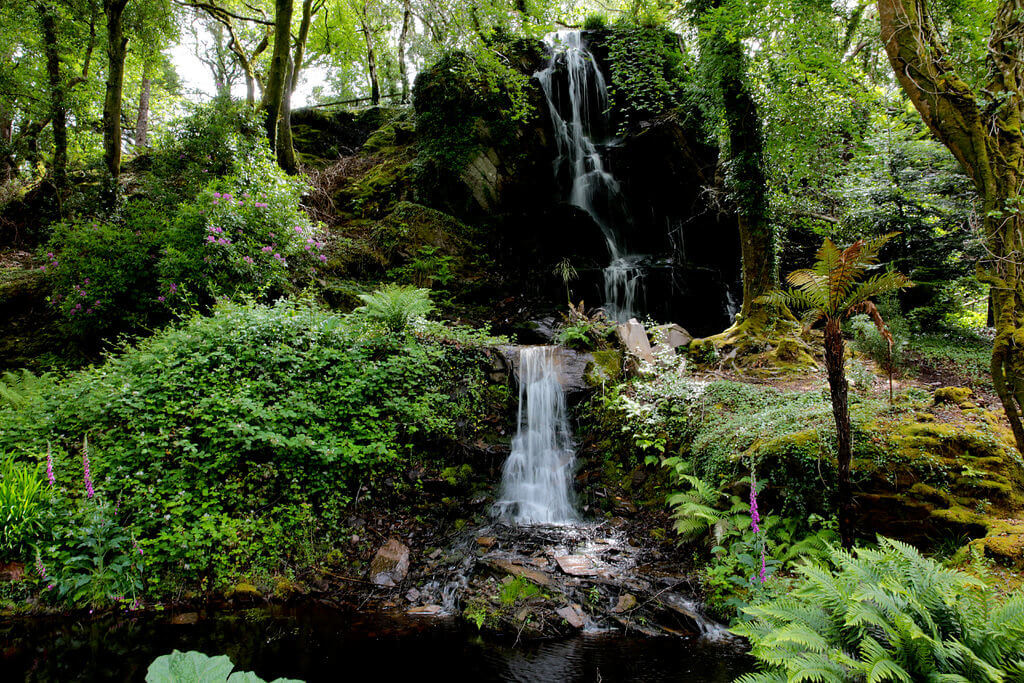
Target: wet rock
(413,595)
(571,366)
(185,618)
(486,541)
(508,567)
(572,614)
(425,610)
(624,604)
(576,565)
(391,563)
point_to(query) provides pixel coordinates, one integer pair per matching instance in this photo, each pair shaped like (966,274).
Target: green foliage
(21,507)
(595,21)
(868,340)
(245,234)
(102,271)
(464,103)
(886,614)
(196,667)
(212,140)
(19,388)
(697,508)
(834,288)
(517,590)
(93,559)
(395,306)
(646,73)
(216,432)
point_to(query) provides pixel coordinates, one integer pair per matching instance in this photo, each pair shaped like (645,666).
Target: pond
(322,644)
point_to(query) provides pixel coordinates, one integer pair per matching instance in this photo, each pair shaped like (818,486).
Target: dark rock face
(464,152)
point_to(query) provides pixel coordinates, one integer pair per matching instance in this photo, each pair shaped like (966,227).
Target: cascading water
(595,190)
(537,477)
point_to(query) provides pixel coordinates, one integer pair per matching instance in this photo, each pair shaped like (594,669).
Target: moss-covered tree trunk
(279,65)
(58,113)
(724,68)
(117,48)
(834,366)
(988,142)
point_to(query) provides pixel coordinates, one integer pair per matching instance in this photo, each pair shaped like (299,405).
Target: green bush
(212,140)
(886,615)
(244,234)
(595,21)
(102,272)
(395,306)
(21,503)
(218,432)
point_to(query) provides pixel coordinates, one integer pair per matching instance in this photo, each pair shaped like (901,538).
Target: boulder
(634,339)
(572,367)
(671,336)
(391,563)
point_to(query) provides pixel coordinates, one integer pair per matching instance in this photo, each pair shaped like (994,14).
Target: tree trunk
(403,46)
(279,64)
(285,144)
(724,65)
(989,144)
(142,121)
(834,351)
(58,113)
(117,45)
(371,65)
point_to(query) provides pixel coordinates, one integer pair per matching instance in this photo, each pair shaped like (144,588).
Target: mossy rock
(376,191)
(604,368)
(244,592)
(955,395)
(391,137)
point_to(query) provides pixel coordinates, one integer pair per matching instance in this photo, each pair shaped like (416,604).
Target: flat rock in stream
(537,577)
(390,564)
(576,565)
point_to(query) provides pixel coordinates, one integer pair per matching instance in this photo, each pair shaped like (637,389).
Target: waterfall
(537,477)
(593,189)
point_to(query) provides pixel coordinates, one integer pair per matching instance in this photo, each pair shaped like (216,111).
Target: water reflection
(320,644)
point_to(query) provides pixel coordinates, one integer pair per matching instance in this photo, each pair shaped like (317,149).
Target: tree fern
(886,614)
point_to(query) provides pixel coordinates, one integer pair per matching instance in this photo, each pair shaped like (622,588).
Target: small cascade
(577,97)
(537,477)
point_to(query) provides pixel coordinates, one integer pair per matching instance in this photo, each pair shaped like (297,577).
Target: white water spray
(537,477)
(594,189)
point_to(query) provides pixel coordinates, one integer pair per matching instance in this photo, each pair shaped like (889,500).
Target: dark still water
(318,644)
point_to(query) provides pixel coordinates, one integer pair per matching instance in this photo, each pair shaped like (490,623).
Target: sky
(197,80)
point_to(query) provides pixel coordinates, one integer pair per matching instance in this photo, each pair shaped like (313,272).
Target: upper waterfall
(577,97)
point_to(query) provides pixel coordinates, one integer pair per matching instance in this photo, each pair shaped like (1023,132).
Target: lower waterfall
(536,483)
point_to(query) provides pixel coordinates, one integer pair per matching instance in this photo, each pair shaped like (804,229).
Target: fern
(395,306)
(18,388)
(886,614)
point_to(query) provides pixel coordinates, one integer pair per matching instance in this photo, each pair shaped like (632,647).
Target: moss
(954,395)
(457,476)
(605,367)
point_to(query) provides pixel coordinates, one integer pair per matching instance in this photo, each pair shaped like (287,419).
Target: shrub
(101,271)
(21,494)
(595,21)
(886,614)
(213,139)
(395,306)
(217,432)
(244,234)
